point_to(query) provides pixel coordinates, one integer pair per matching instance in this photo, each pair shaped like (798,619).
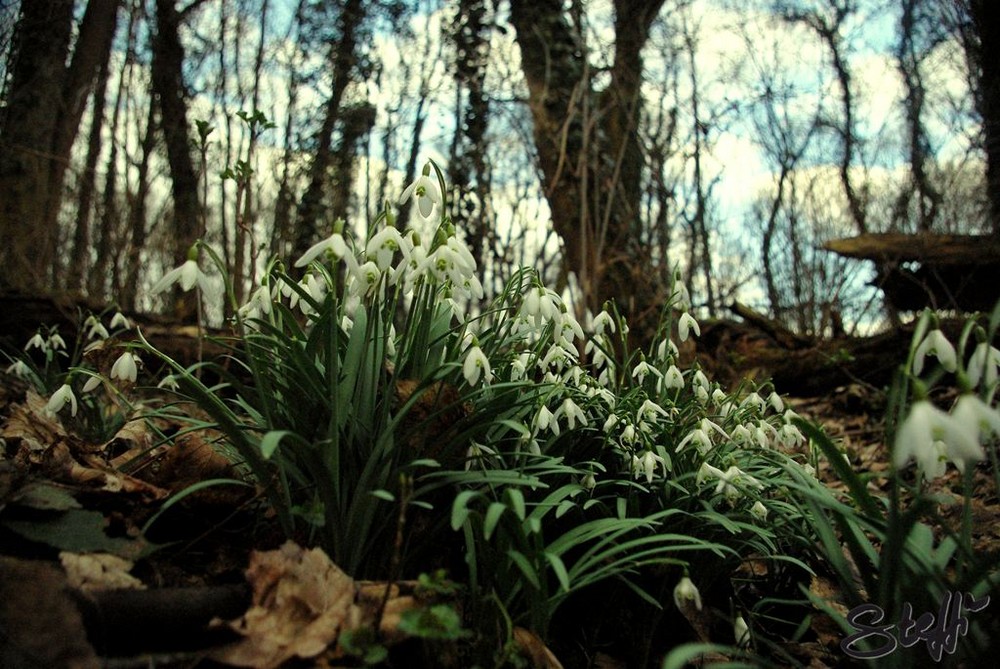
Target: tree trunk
(81,233)
(986,24)
(592,179)
(38,73)
(168,86)
(343,58)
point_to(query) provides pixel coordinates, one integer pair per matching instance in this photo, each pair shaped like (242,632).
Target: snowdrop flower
(125,368)
(758,511)
(59,399)
(334,245)
(425,190)
(684,592)
(629,434)
(755,401)
(935,342)
(649,410)
(557,357)
(719,397)
(597,356)
(365,277)
(673,378)
(699,438)
(790,436)
(315,287)
(741,631)
(169,382)
(667,348)
(91,384)
(978,416)
(383,245)
(188,275)
(476,452)
(764,434)
(926,425)
(96,331)
(119,320)
(983,364)
(742,435)
(545,420)
(602,322)
(685,324)
(774,399)
(646,465)
(476,366)
(706,470)
(519,366)
(37,342)
(730,479)
(642,370)
(258,306)
(56,342)
(19,369)
(571,412)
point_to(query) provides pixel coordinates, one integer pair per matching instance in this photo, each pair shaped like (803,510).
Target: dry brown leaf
(91,472)
(301,601)
(98,571)
(31,425)
(535,650)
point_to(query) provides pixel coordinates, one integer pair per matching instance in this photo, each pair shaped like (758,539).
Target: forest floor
(72,515)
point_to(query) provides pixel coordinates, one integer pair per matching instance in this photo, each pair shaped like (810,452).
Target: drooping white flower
(187,275)
(169,382)
(476,366)
(706,470)
(982,420)
(91,384)
(124,367)
(983,364)
(60,398)
(571,412)
(258,306)
(477,452)
(602,322)
(925,425)
(425,190)
(19,369)
(642,370)
(730,479)
(645,465)
(383,245)
(937,344)
(650,411)
(759,511)
(95,330)
(544,420)
(37,342)
(56,342)
(673,378)
(686,592)
(754,401)
(778,404)
(699,438)
(741,631)
(685,324)
(119,320)
(334,245)
(790,436)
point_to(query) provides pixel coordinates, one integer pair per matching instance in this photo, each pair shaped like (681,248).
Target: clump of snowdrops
(386,413)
